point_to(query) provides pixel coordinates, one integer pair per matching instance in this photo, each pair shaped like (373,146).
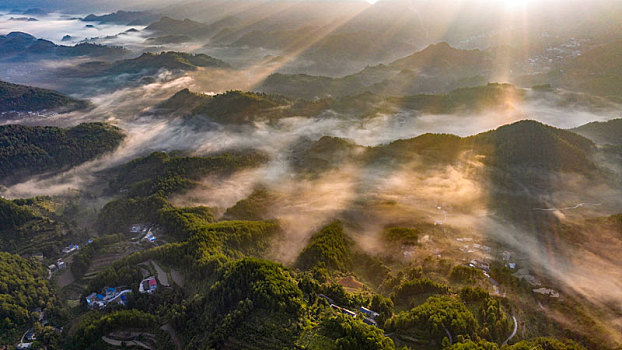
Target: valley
(244,174)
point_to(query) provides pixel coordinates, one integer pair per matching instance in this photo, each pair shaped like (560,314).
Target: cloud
(366,197)
(55,26)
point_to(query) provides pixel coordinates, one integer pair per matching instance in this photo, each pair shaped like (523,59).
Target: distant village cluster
(485,254)
(556,54)
(118,295)
(479,256)
(26,114)
(108,295)
(60,264)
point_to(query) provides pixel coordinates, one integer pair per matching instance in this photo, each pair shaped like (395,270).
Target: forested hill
(21,98)
(168,60)
(526,144)
(609,132)
(130,18)
(145,64)
(31,150)
(438,68)
(23,287)
(20,46)
(238,107)
(530,144)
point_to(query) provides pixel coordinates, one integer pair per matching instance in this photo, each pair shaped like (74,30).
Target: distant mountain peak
(443,55)
(20,35)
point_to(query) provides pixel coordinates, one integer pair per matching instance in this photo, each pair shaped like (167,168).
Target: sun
(513,3)
(509,3)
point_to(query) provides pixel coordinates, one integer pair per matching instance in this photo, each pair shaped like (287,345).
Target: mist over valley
(244,174)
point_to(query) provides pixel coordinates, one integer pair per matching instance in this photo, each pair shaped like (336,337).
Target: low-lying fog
(54,26)
(451,196)
(129,108)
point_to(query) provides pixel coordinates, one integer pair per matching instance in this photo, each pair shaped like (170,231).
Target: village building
(369,312)
(109,295)
(148,285)
(70,249)
(343,311)
(479,264)
(149,236)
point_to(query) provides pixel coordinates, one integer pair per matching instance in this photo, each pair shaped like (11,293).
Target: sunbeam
(311,174)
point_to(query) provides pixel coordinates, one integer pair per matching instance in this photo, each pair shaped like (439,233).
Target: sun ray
(268,66)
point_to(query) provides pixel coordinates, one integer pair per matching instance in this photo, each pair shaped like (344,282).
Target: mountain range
(20,46)
(440,68)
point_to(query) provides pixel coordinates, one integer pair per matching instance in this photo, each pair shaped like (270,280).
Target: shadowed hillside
(21,98)
(26,151)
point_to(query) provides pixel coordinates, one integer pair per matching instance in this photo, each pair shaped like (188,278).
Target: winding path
(580,205)
(167,327)
(451,340)
(513,332)
(115,342)
(21,341)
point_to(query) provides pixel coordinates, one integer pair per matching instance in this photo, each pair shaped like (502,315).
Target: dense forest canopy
(28,150)
(23,288)
(322,175)
(21,98)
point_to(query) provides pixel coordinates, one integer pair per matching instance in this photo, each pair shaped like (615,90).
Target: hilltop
(130,18)
(441,58)
(170,26)
(437,68)
(530,144)
(193,30)
(237,107)
(146,64)
(165,60)
(440,68)
(31,150)
(609,132)
(22,98)
(519,164)
(231,107)
(18,45)
(182,102)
